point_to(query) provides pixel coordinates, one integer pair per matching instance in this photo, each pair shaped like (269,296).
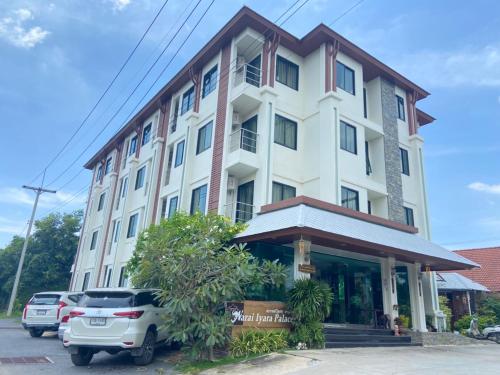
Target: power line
(346,12)
(106,90)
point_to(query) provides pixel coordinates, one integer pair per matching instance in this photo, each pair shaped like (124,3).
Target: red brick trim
(265,61)
(196,78)
(220,126)
(272,68)
(322,205)
(410,108)
(423,118)
(163,121)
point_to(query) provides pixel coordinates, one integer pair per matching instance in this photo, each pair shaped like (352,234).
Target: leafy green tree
(49,256)
(190,259)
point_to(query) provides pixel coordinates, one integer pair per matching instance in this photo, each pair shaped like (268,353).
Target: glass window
(93,241)
(122,281)
(163,208)
(365,104)
(369,170)
(409,218)
(287,73)
(285,132)
(204,138)
(86,279)
(401,107)
(405,165)
(107,299)
(100,205)
(146,134)
(345,78)
(348,141)
(132,225)
(173,206)
(139,180)
(282,192)
(198,199)
(350,198)
(209,81)
(179,153)
(98,173)
(116,231)
(108,166)
(124,187)
(44,299)
(132,146)
(187,100)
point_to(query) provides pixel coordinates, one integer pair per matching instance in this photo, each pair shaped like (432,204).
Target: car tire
(148,350)
(36,332)
(83,357)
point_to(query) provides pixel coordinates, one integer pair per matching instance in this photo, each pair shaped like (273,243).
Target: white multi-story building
(312,141)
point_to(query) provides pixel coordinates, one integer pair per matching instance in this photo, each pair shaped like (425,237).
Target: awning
(453,281)
(303,217)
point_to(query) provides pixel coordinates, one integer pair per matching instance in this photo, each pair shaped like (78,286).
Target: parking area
(16,342)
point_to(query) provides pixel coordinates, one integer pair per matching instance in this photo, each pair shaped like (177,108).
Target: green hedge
(259,342)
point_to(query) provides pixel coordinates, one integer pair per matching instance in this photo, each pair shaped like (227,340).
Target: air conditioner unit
(240,61)
(236,119)
(232,183)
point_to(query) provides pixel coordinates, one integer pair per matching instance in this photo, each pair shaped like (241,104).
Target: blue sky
(56,58)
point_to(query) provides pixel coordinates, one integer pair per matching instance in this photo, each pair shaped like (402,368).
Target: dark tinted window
(75,297)
(45,299)
(345,78)
(146,298)
(287,73)
(107,300)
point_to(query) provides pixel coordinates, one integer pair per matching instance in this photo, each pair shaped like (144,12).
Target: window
(350,198)
(187,100)
(287,73)
(405,165)
(86,279)
(209,81)
(409,219)
(345,78)
(369,207)
(132,225)
(179,153)
(285,132)
(100,205)
(282,192)
(198,199)
(99,173)
(123,280)
(124,187)
(93,241)
(139,180)
(173,206)
(108,166)
(365,108)
(348,141)
(146,134)
(108,273)
(132,146)
(116,231)
(401,107)
(163,208)
(369,170)
(204,138)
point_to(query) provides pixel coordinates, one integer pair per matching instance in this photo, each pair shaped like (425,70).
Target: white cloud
(486,188)
(13,29)
(19,196)
(11,226)
(120,4)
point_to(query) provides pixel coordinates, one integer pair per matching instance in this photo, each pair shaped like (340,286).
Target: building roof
(489,260)
(304,216)
(454,281)
(244,18)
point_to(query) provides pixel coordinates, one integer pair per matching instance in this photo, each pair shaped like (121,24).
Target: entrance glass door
(356,287)
(244,202)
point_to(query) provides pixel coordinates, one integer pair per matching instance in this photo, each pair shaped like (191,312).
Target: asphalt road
(16,342)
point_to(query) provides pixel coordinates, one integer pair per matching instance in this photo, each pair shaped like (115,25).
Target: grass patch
(15,315)
(197,367)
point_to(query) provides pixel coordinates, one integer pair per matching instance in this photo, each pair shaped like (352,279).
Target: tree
(190,259)
(49,256)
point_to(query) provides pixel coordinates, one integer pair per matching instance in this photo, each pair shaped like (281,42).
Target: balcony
(240,212)
(243,139)
(242,159)
(245,95)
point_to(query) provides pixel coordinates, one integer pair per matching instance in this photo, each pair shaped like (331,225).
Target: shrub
(259,342)
(309,302)
(483,321)
(405,321)
(490,306)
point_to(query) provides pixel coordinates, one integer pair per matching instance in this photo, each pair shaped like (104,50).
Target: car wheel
(148,350)
(36,332)
(83,357)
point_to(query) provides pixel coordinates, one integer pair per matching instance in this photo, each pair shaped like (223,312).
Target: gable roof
(244,18)
(489,260)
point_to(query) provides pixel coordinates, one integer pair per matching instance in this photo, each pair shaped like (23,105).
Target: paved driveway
(16,342)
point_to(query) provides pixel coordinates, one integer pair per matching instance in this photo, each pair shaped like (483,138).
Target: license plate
(97,321)
(41,312)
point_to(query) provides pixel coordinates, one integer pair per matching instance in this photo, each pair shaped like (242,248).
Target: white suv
(45,311)
(113,320)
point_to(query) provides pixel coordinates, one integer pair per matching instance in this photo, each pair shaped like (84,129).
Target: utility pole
(13,295)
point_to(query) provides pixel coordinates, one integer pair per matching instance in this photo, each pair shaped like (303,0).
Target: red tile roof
(489,273)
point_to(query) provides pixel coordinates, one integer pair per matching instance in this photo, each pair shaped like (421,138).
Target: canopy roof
(455,281)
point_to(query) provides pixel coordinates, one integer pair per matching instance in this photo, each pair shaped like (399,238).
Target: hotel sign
(307,268)
(259,314)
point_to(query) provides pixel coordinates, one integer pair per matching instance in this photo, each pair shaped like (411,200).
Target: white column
(301,256)
(416,298)
(389,288)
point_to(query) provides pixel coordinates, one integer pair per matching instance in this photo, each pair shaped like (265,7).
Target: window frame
(93,240)
(209,81)
(100,204)
(108,168)
(135,224)
(188,98)
(400,103)
(282,187)
(342,85)
(200,188)
(343,137)
(205,146)
(405,161)
(179,162)
(289,66)
(409,216)
(148,128)
(98,172)
(286,123)
(141,172)
(348,199)
(169,211)
(132,146)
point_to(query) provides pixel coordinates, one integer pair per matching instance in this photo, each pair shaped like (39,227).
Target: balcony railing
(240,212)
(173,123)
(247,73)
(243,139)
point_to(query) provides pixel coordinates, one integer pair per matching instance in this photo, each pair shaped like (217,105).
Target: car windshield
(107,300)
(45,299)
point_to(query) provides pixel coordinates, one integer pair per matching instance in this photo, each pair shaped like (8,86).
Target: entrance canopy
(338,227)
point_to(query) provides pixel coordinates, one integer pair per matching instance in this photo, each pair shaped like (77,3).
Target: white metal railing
(247,73)
(173,123)
(243,139)
(240,212)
